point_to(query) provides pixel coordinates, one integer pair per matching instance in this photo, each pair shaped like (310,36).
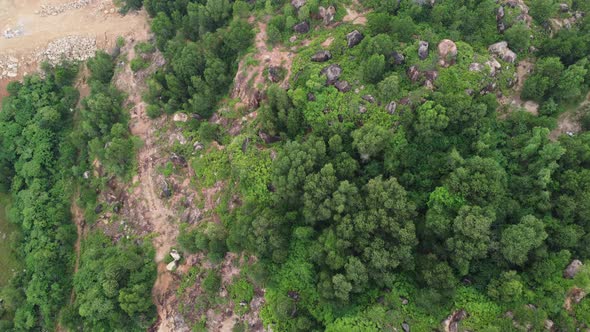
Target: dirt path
(148,208)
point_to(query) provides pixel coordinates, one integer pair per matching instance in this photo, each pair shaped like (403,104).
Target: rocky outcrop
(447,52)
(501,50)
(476,67)
(423,50)
(332,73)
(413,73)
(321,56)
(572,269)
(302,27)
(354,38)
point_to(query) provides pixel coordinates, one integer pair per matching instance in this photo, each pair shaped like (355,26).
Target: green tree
(519,240)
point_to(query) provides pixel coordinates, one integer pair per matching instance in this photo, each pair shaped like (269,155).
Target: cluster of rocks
(519,7)
(501,50)
(53,10)
(73,48)
(14,32)
(8,67)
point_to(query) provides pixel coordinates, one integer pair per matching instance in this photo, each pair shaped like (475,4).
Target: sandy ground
(99,19)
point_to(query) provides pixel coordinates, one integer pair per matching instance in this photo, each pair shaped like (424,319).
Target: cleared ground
(97,19)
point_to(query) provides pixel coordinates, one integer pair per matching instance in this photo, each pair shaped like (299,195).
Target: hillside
(302,165)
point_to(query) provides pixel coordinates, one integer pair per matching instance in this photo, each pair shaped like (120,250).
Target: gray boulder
(332,73)
(413,74)
(423,50)
(354,38)
(564,7)
(321,56)
(368,98)
(302,27)
(572,269)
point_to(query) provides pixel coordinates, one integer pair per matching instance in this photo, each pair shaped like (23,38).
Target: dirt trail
(145,201)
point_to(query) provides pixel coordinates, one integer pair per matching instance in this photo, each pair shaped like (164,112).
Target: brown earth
(356,14)
(99,20)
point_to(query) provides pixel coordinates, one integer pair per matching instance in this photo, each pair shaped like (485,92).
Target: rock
(501,27)
(354,38)
(310,96)
(494,65)
(404,301)
(391,107)
(413,73)
(406,327)
(476,67)
(564,7)
(548,324)
(397,58)
(423,50)
(500,13)
(274,74)
(332,73)
(178,160)
(86,175)
(245,144)
(98,209)
(321,56)
(302,27)
(342,86)
(180,117)
(572,269)
(368,98)
(175,255)
(447,52)
(362,109)
(327,15)
(171,266)
(298,3)
(166,192)
(293,295)
(451,324)
(501,49)
(431,75)
(198,146)
(577,295)
(268,139)
(293,39)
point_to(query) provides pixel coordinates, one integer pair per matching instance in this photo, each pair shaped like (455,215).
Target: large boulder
(180,117)
(447,52)
(321,56)
(494,65)
(302,27)
(368,98)
(572,269)
(501,50)
(354,38)
(332,73)
(423,50)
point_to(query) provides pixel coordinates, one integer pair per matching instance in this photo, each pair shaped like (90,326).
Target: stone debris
(53,10)
(8,67)
(73,48)
(14,32)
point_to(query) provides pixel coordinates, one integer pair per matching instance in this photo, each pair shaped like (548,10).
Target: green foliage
(113,285)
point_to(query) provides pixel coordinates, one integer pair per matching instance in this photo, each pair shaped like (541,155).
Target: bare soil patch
(523,70)
(355,14)
(96,20)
